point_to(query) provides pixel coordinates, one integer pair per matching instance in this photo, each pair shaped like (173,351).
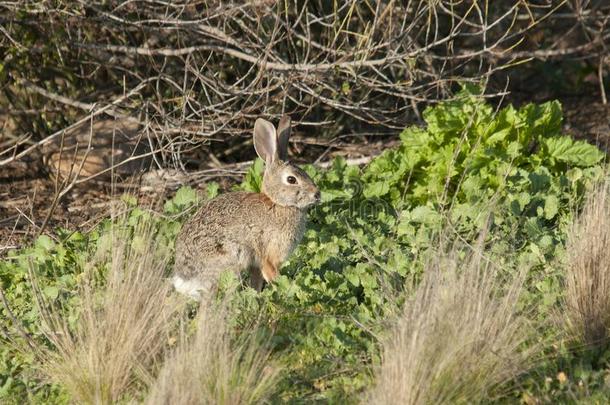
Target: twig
(600,75)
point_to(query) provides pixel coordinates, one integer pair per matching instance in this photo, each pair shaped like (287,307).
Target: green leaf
(212,189)
(377,189)
(51,292)
(352,276)
(45,242)
(368,280)
(551,207)
(540,181)
(425,215)
(184,198)
(254,177)
(578,153)
(498,136)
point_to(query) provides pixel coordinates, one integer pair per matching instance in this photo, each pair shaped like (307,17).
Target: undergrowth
(328,317)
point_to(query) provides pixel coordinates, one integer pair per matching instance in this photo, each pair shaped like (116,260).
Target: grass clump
(125,342)
(459,338)
(216,367)
(587,282)
(108,349)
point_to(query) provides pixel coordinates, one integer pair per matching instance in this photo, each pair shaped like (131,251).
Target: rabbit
(243,231)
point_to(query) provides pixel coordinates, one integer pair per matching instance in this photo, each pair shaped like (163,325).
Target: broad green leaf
(578,153)
(377,189)
(45,242)
(51,292)
(425,215)
(551,206)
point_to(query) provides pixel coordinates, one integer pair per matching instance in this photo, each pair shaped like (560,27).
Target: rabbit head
(284,183)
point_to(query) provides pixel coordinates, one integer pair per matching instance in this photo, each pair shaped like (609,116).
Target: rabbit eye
(291,180)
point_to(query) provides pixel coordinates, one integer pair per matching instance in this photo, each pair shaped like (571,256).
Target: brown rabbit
(247,231)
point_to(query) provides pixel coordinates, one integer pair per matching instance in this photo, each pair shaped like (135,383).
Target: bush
(192,71)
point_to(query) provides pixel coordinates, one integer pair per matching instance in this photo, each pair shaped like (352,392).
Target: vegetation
(211,368)
(460,336)
(123,318)
(587,298)
(192,73)
(361,300)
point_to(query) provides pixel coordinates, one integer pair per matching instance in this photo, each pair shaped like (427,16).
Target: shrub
(200,71)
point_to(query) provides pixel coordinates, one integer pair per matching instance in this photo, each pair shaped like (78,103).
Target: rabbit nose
(317,195)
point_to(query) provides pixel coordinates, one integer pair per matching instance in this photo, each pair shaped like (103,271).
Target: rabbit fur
(242,231)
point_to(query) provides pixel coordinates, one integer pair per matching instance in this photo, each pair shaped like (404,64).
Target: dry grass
(587,295)
(459,337)
(127,342)
(110,351)
(214,367)
(119,346)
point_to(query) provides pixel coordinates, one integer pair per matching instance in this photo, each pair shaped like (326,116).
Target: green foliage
(469,169)
(254,177)
(185,197)
(468,152)
(57,267)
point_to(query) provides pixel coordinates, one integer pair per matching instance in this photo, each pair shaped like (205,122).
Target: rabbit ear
(265,142)
(283,135)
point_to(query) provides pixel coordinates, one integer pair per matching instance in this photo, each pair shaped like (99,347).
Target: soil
(27,194)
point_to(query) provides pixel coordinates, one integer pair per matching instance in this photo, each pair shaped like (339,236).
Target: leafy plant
(468,170)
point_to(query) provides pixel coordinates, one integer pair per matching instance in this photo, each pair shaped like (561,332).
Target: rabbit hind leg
(256,279)
(199,278)
(193,288)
